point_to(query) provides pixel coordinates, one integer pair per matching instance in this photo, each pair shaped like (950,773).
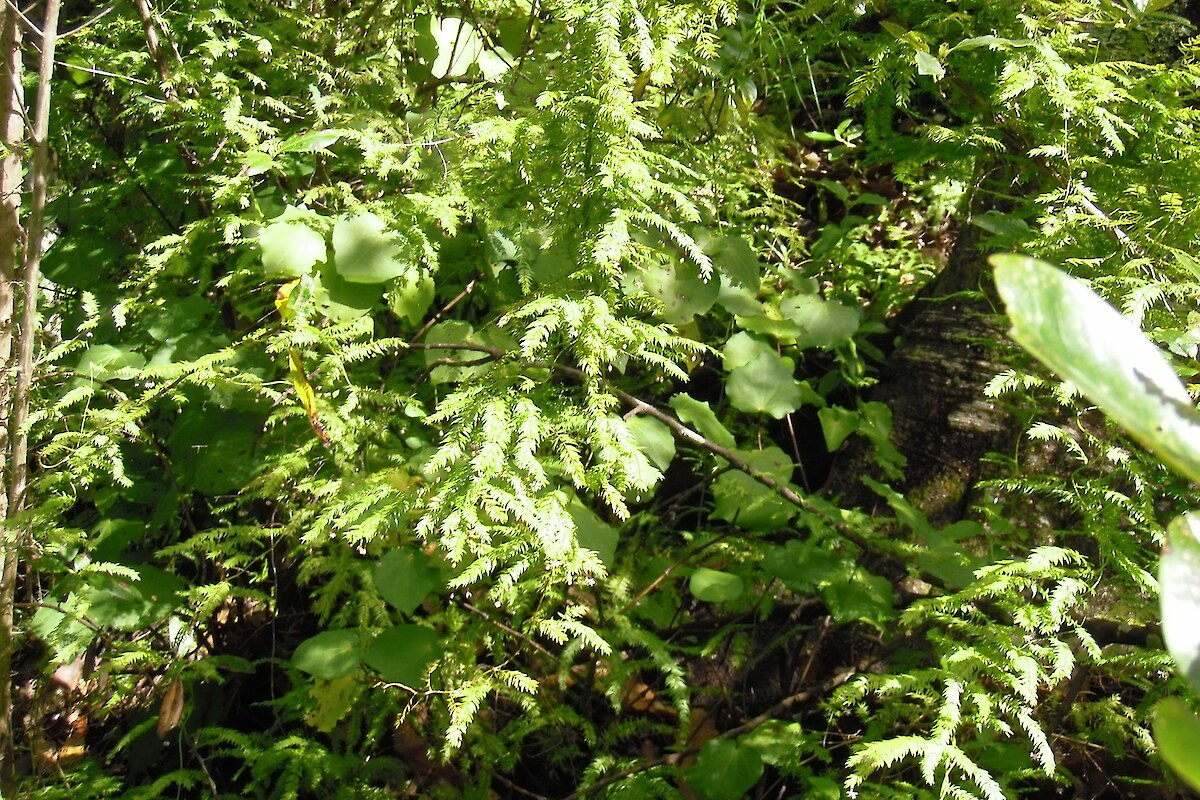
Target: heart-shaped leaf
(290,249)
(405,577)
(403,654)
(725,770)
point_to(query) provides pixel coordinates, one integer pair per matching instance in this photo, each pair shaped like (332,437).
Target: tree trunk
(933,383)
(16,402)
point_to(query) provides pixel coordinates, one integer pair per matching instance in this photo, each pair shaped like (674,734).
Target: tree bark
(933,383)
(17,404)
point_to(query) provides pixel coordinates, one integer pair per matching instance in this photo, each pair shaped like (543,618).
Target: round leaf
(759,379)
(684,292)
(290,249)
(328,655)
(403,654)
(364,253)
(724,770)
(824,323)
(714,586)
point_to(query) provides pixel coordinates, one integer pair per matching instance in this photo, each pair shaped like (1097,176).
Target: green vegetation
(595,398)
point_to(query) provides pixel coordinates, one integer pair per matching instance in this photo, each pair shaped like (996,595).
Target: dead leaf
(171,710)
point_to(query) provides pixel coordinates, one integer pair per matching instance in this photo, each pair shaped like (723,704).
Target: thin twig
(509,630)
(470,287)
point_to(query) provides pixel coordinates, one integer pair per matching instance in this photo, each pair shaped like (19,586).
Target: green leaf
(734,258)
(927,64)
(1085,340)
(1179,588)
(130,605)
(311,141)
(594,533)
(697,414)
(824,322)
(103,362)
(725,770)
(458,47)
(859,596)
(775,741)
(341,300)
(213,449)
(405,577)
(1177,732)
(714,586)
(77,260)
(410,297)
(257,162)
(683,291)
(654,439)
(329,655)
(802,566)
(450,332)
(759,379)
(837,424)
(364,253)
(403,654)
(742,500)
(290,249)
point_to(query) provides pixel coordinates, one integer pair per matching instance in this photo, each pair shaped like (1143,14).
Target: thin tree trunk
(18,439)
(12,138)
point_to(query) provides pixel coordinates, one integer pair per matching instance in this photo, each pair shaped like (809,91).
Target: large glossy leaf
(759,379)
(1177,734)
(725,770)
(1179,588)
(364,252)
(403,654)
(1088,342)
(405,577)
(329,655)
